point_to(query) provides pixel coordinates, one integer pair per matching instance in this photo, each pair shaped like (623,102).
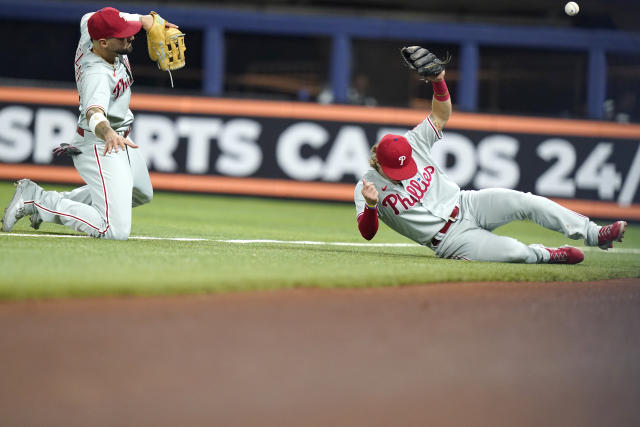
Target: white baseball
(571,8)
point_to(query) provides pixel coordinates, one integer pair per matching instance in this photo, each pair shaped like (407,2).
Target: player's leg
(142,189)
(108,179)
(110,182)
(477,244)
(51,206)
(495,207)
(80,194)
(465,240)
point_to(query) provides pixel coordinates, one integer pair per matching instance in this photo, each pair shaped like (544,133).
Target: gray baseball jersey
(101,84)
(421,205)
(114,180)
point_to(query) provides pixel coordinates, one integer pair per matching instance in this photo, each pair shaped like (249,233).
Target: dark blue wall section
(470,37)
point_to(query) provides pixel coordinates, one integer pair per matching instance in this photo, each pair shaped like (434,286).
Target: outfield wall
(313,151)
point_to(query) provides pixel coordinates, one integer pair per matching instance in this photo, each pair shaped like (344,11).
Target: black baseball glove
(423,62)
(66,150)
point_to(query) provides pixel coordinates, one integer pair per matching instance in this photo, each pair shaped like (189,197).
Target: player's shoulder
(371,175)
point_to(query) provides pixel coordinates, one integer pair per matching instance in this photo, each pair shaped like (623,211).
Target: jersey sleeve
(85,40)
(423,136)
(94,91)
(367,217)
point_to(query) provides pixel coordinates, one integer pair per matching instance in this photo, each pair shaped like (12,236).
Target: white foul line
(282,242)
(195,239)
(81,236)
(306,242)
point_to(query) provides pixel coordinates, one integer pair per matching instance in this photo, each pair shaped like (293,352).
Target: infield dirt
(495,354)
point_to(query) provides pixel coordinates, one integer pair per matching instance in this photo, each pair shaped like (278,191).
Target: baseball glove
(423,62)
(66,150)
(166,45)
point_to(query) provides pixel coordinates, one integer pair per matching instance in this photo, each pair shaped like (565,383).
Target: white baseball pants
(102,208)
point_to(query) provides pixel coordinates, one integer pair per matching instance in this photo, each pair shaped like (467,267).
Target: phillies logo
(401,159)
(121,86)
(417,189)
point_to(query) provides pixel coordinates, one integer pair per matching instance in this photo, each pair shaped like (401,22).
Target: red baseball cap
(394,156)
(107,23)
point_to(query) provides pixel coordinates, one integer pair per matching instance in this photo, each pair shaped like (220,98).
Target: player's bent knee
(117,234)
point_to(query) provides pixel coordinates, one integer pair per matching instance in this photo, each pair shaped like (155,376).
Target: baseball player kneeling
(409,192)
(115,174)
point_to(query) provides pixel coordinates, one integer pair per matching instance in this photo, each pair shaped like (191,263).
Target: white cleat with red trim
(17,209)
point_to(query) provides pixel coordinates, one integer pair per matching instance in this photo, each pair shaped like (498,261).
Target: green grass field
(47,267)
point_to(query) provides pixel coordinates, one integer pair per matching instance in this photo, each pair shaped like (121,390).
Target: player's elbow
(441,118)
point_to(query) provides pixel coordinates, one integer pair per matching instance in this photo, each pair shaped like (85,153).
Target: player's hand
(114,142)
(425,63)
(437,78)
(147,22)
(369,192)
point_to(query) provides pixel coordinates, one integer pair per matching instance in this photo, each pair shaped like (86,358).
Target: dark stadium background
(511,79)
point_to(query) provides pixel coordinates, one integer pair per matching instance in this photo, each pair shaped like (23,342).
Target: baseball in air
(571,8)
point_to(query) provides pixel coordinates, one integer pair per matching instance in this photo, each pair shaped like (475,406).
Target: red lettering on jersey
(121,86)
(79,54)
(407,203)
(415,188)
(391,201)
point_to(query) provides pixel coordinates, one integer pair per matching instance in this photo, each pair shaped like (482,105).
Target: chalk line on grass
(282,242)
(79,236)
(306,242)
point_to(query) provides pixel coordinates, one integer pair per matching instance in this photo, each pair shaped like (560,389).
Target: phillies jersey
(101,84)
(419,206)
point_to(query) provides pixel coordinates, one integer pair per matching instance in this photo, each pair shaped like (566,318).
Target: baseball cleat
(611,233)
(17,208)
(565,255)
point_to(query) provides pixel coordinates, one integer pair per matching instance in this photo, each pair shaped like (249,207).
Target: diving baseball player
(106,159)
(409,192)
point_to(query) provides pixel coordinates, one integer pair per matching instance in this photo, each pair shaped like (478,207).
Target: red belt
(452,218)
(81,132)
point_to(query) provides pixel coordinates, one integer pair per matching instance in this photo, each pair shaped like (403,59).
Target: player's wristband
(95,119)
(367,205)
(440,91)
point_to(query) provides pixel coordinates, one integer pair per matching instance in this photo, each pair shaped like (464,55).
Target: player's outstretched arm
(99,125)
(441,103)
(431,68)
(147,22)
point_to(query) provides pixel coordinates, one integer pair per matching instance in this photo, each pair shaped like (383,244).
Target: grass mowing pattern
(42,268)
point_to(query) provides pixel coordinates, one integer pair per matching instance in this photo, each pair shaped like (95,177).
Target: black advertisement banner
(592,168)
